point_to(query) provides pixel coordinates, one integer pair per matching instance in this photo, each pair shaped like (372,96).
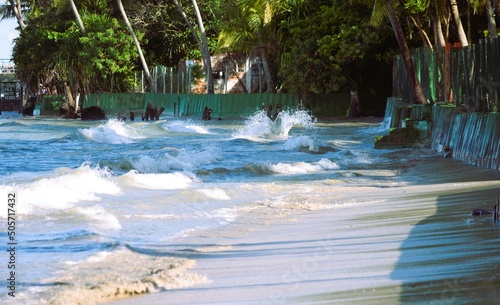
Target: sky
(7,33)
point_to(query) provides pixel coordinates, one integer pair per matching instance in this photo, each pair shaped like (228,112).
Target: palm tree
(17,9)
(77,16)
(387,7)
(487,6)
(206,53)
(458,23)
(138,45)
(255,32)
(202,43)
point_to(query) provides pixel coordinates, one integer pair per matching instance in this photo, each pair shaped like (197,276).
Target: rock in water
(93,113)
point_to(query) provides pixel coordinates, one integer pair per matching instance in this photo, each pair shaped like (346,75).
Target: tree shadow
(452,257)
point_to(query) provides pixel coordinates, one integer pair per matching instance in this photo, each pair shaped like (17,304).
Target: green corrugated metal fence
(223,105)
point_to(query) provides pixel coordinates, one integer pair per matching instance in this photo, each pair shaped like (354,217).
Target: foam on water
(167,181)
(215,193)
(185,127)
(112,132)
(303,167)
(108,276)
(259,127)
(293,143)
(62,189)
(176,160)
(98,217)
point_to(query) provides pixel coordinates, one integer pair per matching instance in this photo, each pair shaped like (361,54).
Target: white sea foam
(303,167)
(185,127)
(327,164)
(112,132)
(62,189)
(176,160)
(259,127)
(293,143)
(214,193)
(98,217)
(120,274)
(166,181)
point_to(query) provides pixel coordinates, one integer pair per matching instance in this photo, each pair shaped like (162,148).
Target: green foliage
(53,49)
(109,54)
(324,47)
(416,6)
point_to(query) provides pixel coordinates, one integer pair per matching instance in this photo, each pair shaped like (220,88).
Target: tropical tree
(389,8)
(145,68)
(17,9)
(458,24)
(77,16)
(488,7)
(201,40)
(54,49)
(255,31)
(325,50)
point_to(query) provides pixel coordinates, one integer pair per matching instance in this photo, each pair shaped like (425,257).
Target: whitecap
(62,189)
(298,142)
(259,126)
(185,127)
(113,132)
(166,181)
(214,193)
(176,160)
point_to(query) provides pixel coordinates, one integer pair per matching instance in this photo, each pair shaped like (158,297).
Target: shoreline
(389,245)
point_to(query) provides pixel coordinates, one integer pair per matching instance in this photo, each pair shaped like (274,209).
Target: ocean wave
(176,160)
(295,168)
(166,181)
(112,132)
(62,189)
(259,127)
(185,127)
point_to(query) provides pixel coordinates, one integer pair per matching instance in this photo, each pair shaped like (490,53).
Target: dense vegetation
(307,47)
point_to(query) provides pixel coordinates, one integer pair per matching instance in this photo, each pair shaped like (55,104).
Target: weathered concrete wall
(472,137)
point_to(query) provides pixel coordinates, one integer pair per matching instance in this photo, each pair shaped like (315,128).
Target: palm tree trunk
(195,35)
(267,70)
(456,16)
(205,51)
(190,25)
(16,7)
(418,93)
(438,32)
(490,15)
(77,16)
(138,46)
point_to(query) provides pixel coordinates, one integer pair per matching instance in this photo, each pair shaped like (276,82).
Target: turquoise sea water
(99,203)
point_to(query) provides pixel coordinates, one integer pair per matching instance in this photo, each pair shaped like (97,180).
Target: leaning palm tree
(202,42)
(458,23)
(17,10)
(152,83)
(77,16)
(389,8)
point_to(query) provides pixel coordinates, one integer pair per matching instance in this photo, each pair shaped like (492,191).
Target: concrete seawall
(473,137)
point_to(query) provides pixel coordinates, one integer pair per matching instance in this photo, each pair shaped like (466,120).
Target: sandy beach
(411,243)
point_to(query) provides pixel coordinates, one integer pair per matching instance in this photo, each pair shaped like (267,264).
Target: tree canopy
(306,47)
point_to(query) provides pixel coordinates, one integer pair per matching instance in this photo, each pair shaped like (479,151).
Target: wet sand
(410,244)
